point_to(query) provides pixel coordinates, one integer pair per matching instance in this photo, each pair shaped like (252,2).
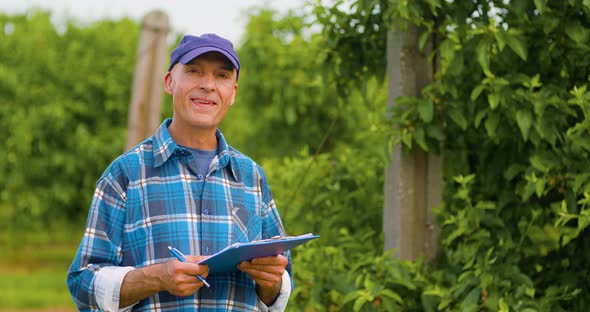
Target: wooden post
(413,181)
(146,99)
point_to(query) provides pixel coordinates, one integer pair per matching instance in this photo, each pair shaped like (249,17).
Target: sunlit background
(396,130)
(227,18)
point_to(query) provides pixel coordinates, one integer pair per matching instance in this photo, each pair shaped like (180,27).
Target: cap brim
(190,55)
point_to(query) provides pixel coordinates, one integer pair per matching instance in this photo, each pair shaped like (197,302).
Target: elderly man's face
(202,90)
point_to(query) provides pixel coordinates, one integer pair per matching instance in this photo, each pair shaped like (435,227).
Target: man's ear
(168,83)
(233,97)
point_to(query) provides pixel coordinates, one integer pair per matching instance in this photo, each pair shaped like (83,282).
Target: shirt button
(200,176)
(206,211)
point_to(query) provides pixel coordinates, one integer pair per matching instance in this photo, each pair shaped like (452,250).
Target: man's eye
(193,69)
(223,75)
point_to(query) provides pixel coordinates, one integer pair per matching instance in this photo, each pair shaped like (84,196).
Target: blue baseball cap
(192,46)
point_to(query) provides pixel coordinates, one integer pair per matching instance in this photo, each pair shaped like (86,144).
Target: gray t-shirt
(201,159)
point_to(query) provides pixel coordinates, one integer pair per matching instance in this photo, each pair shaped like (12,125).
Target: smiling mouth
(201,101)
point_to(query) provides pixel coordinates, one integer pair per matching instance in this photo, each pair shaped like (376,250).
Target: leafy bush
(63,115)
(336,195)
(509,104)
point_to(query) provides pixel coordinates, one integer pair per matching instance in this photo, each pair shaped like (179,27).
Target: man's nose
(207,82)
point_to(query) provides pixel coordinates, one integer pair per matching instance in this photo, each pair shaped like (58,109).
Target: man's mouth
(202,101)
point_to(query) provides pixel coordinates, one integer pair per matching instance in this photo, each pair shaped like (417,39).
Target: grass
(44,288)
(33,268)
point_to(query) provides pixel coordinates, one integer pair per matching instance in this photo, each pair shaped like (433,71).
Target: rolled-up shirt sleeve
(107,285)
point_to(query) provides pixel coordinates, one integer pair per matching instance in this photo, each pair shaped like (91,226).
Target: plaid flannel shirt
(151,197)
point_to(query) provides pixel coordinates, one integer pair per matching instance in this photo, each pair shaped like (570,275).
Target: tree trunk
(148,81)
(413,181)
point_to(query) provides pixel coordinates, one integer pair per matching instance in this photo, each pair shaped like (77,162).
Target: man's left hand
(267,272)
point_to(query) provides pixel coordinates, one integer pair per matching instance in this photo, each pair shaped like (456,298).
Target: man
(183,187)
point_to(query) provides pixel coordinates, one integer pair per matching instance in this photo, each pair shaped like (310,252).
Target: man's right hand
(179,278)
(173,276)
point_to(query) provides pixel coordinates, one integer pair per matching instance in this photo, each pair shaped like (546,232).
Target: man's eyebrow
(192,62)
(228,67)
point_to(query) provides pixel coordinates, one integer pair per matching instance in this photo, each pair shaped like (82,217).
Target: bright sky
(224,17)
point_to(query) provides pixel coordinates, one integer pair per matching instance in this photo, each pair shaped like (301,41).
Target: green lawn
(43,288)
(33,267)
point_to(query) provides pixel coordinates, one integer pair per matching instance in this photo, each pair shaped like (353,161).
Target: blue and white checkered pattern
(150,198)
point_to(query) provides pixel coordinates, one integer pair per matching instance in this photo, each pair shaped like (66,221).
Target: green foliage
(353,41)
(283,95)
(509,103)
(337,194)
(385,283)
(320,195)
(63,116)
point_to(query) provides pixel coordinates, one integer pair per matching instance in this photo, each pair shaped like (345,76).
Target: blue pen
(175,252)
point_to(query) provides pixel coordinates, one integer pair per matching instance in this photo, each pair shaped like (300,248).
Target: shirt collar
(164,147)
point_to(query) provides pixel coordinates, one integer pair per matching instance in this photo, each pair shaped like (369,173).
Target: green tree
(283,93)
(510,94)
(64,98)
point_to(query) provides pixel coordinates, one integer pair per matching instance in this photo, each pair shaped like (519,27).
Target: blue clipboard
(227,259)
